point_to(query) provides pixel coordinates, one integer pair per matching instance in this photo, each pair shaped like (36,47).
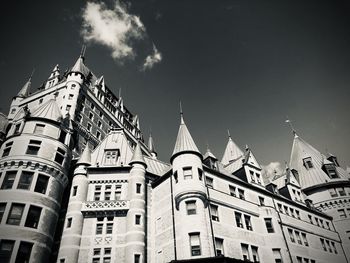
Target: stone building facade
(79,184)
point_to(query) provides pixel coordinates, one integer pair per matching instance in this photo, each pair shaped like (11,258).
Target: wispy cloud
(271,169)
(152,59)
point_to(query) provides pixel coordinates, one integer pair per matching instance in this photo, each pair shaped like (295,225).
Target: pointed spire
(184,141)
(232,151)
(82,52)
(151,143)
(137,157)
(79,66)
(24,92)
(85,157)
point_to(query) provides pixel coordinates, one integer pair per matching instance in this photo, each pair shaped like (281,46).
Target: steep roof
(85,157)
(232,152)
(48,110)
(3,122)
(310,176)
(80,67)
(24,91)
(184,141)
(137,156)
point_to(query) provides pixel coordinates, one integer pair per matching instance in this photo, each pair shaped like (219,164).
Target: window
(33,147)
(41,184)
(191,207)
(137,258)
(334,247)
(175,177)
(258,178)
(59,158)
(341,191)
(118,192)
(331,171)
(238,217)
(269,226)
(15,215)
(310,219)
(300,259)
(286,211)
(39,128)
(107,196)
(7,149)
(214,212)
(306,243)
(297,234)
(209,181)
(255,254)
(97,195)
(323,244)
(68,107)
(98,135)
(97,251)
(261,201)
(342,213)
(308,163)
(329,246)
(2,210)
(241,194)
(219,246)
(248,223)
(108,250)
(109,229)
(138,188)
(298,214)
(252,176)
(187,173)
(280,208)
(245,252)
(232,190)
(111,157)
(75,190)
(9,180)
(333,192)
(195,244)
(291,235)
(6,247)
(17,128)
(33,217)
(69,222)
(277,255)
(62,137)
(91,116)
(25,180)
(99,229)
(89,126)
(106,259)
(292,212)
(200,174)
(137,219)
(79,118)
(24,251)
(99,124)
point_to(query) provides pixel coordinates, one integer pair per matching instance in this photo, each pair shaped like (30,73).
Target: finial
(83,49)
(120,93)
(181,113)
(208,149)
(246,147)
(228,133)
(291,125)
(31,75)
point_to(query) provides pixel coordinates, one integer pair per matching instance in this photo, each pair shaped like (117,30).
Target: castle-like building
(79,184)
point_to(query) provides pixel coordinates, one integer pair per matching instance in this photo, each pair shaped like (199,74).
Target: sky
(238,65)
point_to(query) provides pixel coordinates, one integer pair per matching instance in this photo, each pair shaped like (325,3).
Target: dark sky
(238,65)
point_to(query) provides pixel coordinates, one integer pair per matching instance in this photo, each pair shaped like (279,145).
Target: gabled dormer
(330,169)
(210,160)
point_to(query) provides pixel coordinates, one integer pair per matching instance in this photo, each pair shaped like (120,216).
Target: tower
(36,156)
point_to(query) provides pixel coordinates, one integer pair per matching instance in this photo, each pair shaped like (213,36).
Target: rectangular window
(308,163)
(277,255)
(334,247)
(91,116)
(241,194)
(209,181)
(269,226)
(286,211)
(258,178)
(137,258)
(39,128)
(310,219)
(9,180)
(298,214)
(98,135)
(187,173)
(62,137)
(300,259)
(15,215)
(323,244)
(89,126)
(248,223)
(255,254)
(191,207)
(238,217)
(342,213)
(33,147)
(245,252)
(109,229)
(195,244)
(214,213)
(291,235)
(69,222)
(108,250)
(7,149)
(138,188)
(33,217)
(107,260)
(2,210)
(59,158)
(99,124)
(261,201)
(107,196)
(333,192)
(99,229)
(297,234)
(25,180)
(24,251)
(232,190)
(341,191)
(118,192)
(252,176)
(41,184)
(75,190)
(137,219)
(111,157)
(17,128)
(68,107)
(280,209)
(6,247)
(329,246)
(219,246)
(97,251)
(306,243)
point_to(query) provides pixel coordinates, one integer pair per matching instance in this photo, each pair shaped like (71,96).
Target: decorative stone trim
(108,181)
(108,208)
(186,195)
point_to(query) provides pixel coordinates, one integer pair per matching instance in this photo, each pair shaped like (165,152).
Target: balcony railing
(105,207)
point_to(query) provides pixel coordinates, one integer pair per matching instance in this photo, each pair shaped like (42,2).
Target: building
(79,184)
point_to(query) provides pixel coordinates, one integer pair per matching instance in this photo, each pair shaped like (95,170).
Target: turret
(210,159)
(190,194)
(136,216)
(21,95)
(73,226)
(53,78)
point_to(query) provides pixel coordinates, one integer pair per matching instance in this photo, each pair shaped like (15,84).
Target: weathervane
(290,125)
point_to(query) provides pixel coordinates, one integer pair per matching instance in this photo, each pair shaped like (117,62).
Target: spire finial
(120,93)
(181,113)
(247,147)
(31,74)
(228,133)
(83,49)
(291,125)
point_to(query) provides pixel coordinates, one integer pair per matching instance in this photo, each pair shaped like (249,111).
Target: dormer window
(111,157)
(334,160)
(308,163)
(330,170)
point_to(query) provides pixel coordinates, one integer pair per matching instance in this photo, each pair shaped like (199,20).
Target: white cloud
(114,28)
(152,59)
(271,169)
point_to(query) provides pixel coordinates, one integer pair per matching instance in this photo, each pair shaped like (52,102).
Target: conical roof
(85,157)
(232,152)
(151,144)
(3,122)
(184,141)
(80,67)
(48,110)
(24,92)
(137,156)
